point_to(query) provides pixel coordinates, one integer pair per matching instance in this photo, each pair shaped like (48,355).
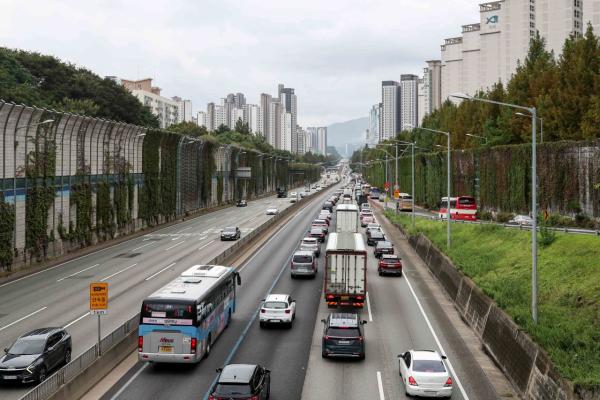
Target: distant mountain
(348,132)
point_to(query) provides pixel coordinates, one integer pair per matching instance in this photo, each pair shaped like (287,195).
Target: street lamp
(448,232)
(541,124)
(48,121)
(478,137)
(533,113)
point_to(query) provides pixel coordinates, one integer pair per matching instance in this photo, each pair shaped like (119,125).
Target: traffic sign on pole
(99,298)
(396,194)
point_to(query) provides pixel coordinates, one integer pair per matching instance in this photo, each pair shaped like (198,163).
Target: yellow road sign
(99,297)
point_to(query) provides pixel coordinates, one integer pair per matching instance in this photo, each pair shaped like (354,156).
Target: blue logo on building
(492,20)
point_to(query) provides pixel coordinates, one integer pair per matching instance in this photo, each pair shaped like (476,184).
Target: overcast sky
(335,53)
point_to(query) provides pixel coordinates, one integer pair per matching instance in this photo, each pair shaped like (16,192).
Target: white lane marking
(78,272)
(204,245)
(380,385)
(118,272)
(177,237)
(162,270)
(175,245)
(185,229)
(369,308)
(201,238)
(21,319)
(98,251)
(142,246)
(437,341)
(76,320)
(116,395)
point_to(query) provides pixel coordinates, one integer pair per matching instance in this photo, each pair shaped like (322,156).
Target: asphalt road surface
(58,296)
(401,316)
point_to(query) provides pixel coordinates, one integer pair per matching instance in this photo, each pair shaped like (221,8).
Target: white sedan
(272,211)
(423,373)
(278,309)
(521,220)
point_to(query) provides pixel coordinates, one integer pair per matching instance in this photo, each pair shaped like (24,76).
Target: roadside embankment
(487,273)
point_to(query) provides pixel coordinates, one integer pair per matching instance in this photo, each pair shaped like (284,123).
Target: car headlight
(31,367)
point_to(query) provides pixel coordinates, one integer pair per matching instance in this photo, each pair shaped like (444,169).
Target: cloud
(335,53)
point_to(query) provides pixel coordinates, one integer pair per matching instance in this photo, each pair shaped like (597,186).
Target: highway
(400,316)
(58,296)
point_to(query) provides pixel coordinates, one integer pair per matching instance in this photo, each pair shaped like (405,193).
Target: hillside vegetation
(498,260)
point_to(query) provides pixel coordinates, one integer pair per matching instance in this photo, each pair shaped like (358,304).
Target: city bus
(461,208)
(180,322)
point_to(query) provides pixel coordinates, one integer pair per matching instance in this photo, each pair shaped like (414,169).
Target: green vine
(39,170)
(7,223)
(81,197)
(105,215)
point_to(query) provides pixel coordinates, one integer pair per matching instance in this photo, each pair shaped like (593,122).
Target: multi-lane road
(402,313)
(58,296)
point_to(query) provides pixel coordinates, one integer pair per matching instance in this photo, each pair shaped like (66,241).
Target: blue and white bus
(180,322)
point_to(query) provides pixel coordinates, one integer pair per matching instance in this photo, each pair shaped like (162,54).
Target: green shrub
(504,217)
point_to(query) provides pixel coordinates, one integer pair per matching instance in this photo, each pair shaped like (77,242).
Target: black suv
(343,336)
(34,354)
(383,247)
(231,233)
(242,381)
(374,237)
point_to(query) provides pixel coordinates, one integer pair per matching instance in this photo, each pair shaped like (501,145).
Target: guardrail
(578,231)
(77,366)
(51,385)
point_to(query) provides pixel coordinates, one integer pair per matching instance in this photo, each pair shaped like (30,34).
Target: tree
(188,128)
(242,127)
(222,129)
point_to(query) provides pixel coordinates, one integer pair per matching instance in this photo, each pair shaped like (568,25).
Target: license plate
(345,297)
(165,349)
(343,342)
(9,377)
(275,320)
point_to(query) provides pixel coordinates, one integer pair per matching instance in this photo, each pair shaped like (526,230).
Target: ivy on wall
(150,199)
(7,223)
(105,214)
(168,174)
(209,168)
(81,197)
(40,169)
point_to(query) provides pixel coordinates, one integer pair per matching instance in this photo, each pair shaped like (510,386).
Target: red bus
(461,208)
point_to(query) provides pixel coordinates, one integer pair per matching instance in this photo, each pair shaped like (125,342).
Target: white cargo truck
(345,279)
(346,218)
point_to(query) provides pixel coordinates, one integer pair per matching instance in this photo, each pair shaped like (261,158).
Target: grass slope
(498,260)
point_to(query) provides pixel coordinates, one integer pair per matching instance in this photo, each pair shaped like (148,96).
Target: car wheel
(262,324)
(67,356)
(380,273)
(42,374)
(228,319)
(323,355)
(293,276)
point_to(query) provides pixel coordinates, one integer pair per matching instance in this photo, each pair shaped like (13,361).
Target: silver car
(304,263)
(311,244)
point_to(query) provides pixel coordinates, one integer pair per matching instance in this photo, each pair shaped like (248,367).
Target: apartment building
(408,101)
(390,110)
(166,110)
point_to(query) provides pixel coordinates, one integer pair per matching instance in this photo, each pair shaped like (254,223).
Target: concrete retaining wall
(523,361)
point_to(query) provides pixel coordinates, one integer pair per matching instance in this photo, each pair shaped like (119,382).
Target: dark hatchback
(383,247)
(374,237)
(231,233)
(34,354)
(242,381)
(343,336)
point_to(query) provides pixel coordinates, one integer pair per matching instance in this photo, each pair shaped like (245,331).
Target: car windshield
(28,346)
(383,244)
(376,234)
(277,305)
(303,259)
(466,201)
(229,230)
(343,332)
(316,231)
(428,366)
(390,259)
(227,389)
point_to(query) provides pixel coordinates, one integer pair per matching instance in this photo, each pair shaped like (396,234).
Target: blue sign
(492,20)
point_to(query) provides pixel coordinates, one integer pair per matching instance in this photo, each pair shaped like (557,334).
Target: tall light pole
(533,113)
(541,124)
(448,231)
(478,137)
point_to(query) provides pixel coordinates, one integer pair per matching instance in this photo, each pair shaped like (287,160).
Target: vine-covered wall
(500,177)
(69,181)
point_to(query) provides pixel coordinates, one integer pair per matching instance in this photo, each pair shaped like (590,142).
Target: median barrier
(522,361)
(76,378)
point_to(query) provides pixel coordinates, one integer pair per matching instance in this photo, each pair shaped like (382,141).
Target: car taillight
(326,337)
(412,382)
(360,339)
(194,344)
(140,343)
(262,310)
(329,297)
(211,397)
(288,311)
(448,382)
(359,297)
(254,398)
